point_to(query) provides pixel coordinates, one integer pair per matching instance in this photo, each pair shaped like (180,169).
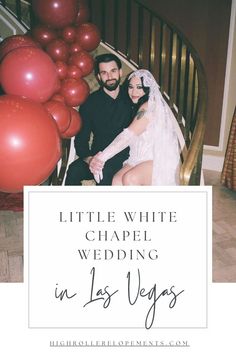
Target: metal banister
(149,41)
(174,63)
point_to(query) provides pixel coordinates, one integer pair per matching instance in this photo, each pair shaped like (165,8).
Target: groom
(105,114)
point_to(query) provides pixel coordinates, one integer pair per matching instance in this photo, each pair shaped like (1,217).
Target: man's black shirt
(105,117)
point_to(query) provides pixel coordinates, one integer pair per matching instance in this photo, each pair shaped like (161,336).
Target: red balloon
(75,124)
(43,34)
(74,91)
(83,14)
(88,36)
(60,113)
(75,48)
(62,69)
(30,143)
(84,61)
(74,72)
(29,72)
(68,34)
(58,50)
(57,86)
(14,42)
(58,97)
(56,13)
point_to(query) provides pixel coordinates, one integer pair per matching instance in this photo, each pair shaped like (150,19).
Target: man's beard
(111,87)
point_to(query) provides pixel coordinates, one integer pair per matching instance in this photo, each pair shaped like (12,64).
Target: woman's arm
(118,144)
(124,139)
(140,121)
(121,142)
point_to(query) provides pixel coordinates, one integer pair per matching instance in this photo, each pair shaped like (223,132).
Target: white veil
(166,154)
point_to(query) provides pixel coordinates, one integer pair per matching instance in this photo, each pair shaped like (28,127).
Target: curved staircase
(141,38)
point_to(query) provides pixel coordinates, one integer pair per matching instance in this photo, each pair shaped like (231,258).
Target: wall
(206,24)
(214,157)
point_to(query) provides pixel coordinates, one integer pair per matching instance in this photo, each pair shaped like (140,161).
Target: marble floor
(11,246)
(224,236)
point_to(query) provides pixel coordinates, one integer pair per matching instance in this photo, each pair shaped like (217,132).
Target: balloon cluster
(42,75)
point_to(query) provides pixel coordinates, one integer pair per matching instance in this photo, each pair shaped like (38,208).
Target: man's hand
(88,159)
(96,165)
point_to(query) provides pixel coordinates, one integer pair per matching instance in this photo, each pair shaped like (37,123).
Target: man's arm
(81,141)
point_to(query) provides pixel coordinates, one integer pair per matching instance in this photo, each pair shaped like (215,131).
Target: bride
(154,151)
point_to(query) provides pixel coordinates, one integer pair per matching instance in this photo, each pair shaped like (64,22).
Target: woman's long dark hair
(141,101)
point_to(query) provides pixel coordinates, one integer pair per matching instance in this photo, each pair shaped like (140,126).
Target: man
(105,113)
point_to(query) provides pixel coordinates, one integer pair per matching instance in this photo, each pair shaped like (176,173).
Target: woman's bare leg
(139,175)
(117,179)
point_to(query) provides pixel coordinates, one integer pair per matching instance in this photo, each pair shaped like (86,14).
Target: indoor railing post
(193,117)
(152,44)
(185,99)
(18,9)
(161,56)
(103,30)
(116,26)
(179,56)
(128,28)
(140,36)
(170,64)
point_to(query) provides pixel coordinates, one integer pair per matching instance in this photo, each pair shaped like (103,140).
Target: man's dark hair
(105,58)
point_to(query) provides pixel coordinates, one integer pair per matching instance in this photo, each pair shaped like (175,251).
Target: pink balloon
(29,72)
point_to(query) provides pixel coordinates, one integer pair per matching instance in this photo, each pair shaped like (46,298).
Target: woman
(154,152)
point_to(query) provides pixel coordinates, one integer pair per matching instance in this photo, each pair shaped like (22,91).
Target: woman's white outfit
(158,142)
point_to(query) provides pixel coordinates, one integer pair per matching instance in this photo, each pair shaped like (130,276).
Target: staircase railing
(149,41)
(21,10)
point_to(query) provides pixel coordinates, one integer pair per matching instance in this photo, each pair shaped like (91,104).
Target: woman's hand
(96,165)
